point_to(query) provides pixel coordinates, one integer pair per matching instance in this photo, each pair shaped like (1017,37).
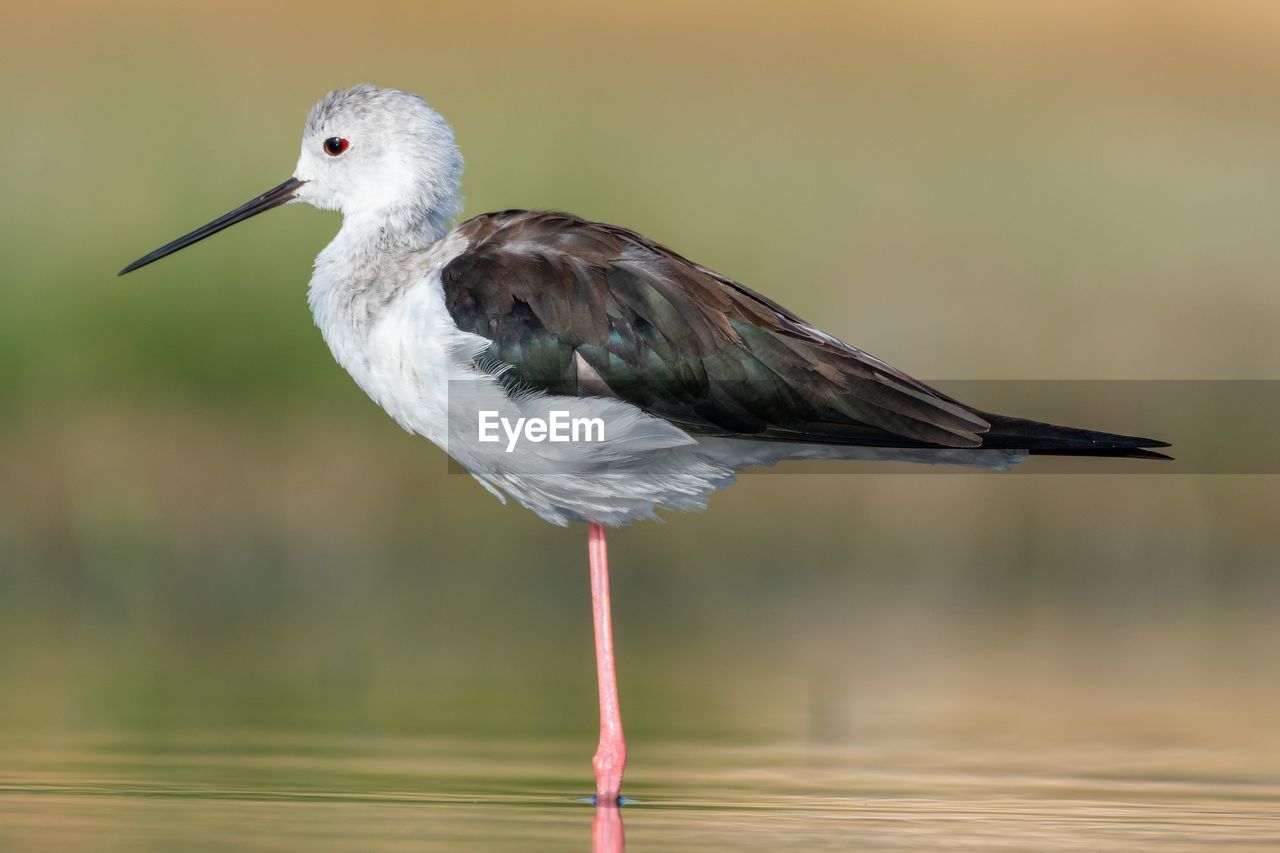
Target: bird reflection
(606,830)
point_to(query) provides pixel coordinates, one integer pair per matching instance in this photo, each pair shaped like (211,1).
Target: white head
(381,157)
(379,152)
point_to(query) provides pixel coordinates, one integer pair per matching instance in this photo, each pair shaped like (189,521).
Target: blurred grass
(203,521)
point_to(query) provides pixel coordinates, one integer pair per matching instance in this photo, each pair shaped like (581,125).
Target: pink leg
(611,756)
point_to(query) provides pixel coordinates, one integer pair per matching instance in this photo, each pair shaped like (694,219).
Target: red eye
(335,145)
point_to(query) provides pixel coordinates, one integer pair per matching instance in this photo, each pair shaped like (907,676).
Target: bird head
(379,156)
(378,152)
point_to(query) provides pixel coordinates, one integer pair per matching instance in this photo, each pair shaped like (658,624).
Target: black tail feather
(1113,452)
(1053,440)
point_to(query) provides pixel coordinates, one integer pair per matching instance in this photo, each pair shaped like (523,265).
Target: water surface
(1129,789)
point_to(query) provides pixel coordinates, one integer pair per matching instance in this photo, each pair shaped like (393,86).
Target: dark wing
(582,308)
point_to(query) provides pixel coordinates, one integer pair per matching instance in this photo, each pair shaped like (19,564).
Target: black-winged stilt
(663,378)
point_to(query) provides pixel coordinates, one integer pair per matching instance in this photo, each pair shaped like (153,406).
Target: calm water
(1127,788)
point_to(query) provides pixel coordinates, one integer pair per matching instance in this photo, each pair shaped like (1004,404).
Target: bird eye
(335,145)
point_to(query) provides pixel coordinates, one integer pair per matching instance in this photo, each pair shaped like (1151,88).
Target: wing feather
(557,294)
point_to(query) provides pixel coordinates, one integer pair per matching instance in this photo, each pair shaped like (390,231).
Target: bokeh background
(204,525)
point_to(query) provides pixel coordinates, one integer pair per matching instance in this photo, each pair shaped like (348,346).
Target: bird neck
(411,227)
(368,263)
(370,240)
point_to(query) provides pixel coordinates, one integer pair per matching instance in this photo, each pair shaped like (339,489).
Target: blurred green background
(205,525)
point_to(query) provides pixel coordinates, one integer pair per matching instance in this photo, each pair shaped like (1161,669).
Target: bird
(662,378)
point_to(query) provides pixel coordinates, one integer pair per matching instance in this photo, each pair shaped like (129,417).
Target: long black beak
(273,197)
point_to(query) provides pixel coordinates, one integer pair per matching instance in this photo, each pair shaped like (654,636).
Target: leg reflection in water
(606,830)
